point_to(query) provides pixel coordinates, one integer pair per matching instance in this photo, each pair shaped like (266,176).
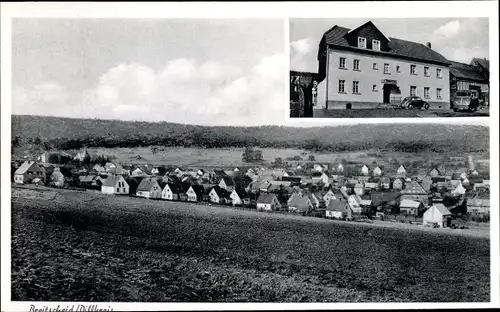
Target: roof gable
(338,37)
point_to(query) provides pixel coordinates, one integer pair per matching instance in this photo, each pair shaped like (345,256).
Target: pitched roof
(175,188)
(336,205)
(408,203)
(465,71)
(241,193)
(483,62)
(111,180)
(336,36)
(198,189)
(89,178)
(265,198)
(146,184)
(222,193)
(442,209)
(414,188)
(24,167)
(298,201)
(228,181)
(380,198)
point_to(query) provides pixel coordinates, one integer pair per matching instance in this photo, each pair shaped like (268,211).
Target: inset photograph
(377,68)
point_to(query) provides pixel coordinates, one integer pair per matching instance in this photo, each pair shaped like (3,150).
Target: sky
(193,71)
(457,39)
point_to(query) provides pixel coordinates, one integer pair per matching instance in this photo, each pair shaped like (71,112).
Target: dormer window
(376,45)
(362,42)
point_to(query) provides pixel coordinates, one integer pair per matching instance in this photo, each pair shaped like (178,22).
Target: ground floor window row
(342,87)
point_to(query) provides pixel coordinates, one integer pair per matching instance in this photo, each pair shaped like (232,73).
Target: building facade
(465,77)
(362,68)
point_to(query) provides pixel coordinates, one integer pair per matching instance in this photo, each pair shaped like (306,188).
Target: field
(395,113)
(231,157)
(81,246)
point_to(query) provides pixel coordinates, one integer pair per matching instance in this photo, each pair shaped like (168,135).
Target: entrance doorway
(389,89)
(348,106)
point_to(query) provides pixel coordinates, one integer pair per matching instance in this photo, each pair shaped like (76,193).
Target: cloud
(302,46)
(302,57)
(182,91)
(448,30)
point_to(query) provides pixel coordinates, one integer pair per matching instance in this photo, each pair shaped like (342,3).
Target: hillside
(67,133)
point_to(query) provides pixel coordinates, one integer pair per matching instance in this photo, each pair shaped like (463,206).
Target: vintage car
(465,100)
(412,102)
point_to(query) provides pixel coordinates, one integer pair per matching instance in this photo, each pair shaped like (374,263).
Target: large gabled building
(364,68)
(470,77)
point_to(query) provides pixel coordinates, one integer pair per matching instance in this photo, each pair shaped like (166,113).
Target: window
(341,86)
(376,45)
(413,90)
(355,87)
(438,73)
(398,69)
(375,66)
(342,62)
(413,69)
(386,68)
(355,65)
(426,71)
(374,89)
(438,93)
(362,42)
(426,92)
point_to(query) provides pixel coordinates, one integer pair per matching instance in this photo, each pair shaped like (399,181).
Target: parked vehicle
(465,100)
(412,102)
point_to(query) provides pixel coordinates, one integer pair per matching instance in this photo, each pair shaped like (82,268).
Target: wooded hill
(69,133)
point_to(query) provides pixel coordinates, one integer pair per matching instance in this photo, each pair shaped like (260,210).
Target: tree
(251,155)
(279,162)
(312,158)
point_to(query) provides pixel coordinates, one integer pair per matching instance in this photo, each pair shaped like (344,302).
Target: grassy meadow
(70,245)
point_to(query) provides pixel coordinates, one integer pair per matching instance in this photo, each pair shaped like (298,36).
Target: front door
(387,93)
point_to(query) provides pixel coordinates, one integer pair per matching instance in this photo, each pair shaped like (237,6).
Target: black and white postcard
(152,158)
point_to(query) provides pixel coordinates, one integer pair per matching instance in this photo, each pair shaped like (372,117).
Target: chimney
(429,45)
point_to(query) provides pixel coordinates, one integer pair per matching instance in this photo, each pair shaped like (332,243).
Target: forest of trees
(67,133)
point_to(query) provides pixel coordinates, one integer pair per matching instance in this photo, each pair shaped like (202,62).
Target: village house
(149,188)
(359,189)
(478,205)
(268,202)
(338,209)
(27,172)
(426,184)
(171,191)
(458,190)
(435,173)
(239,197)
(98,168)
(414,191)
(437,214)
(397,184)
(369,186)
(227,183)
(467,77)
(364,68)
(377,172)
(365,171)
(87,181)
(354,203)
(195,193)
(411,207)
(385,183)
(299,203)
(109,166)
(57,178)
(115,185)
(385,201)
(219,195)
(401,172)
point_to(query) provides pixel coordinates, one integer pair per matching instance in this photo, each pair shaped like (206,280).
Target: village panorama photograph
(151,165)
(382,68)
